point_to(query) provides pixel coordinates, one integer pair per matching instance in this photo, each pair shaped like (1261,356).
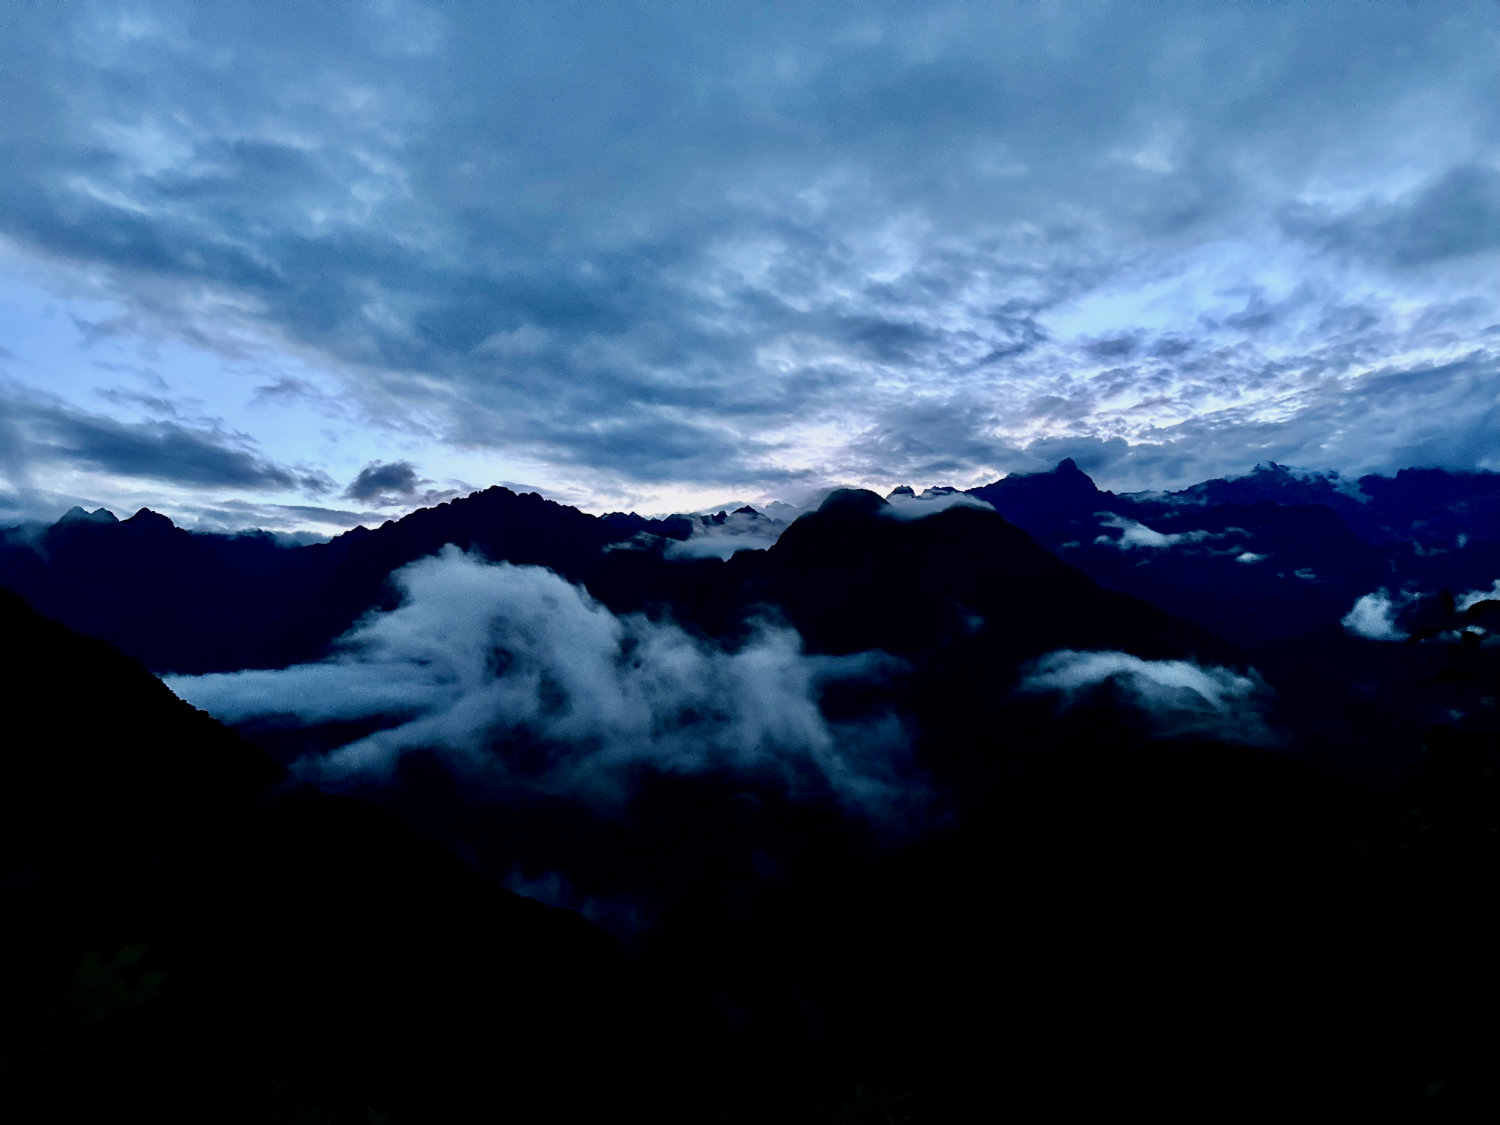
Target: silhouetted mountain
(186,941)
(191,603)
(1432,506)
(98,515)
(1102,912)
(1249,573)
(1271,554)
(1269,482)
(854,576)
(1429,506)
(185,602)
(1042,503)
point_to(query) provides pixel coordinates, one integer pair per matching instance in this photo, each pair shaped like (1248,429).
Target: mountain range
(1033,801)
(1255,559)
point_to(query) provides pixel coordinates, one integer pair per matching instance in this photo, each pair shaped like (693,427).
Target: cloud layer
(1180,697)
(639,250)
(520,681)
(41,432)
(739,530)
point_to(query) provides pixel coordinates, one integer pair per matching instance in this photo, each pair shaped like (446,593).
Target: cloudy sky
(305,265)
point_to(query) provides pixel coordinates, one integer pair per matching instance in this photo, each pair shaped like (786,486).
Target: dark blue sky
(301,265)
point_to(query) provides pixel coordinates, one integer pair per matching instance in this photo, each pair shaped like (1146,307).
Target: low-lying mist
(1182,698)
(519,681)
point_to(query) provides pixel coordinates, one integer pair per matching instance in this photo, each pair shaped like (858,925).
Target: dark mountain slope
(1176,926)
(1046,502)
(1249,573)
(1204,931)
(190,603)
(195,603)
(184,941)
(1431,505)
(97,749)
(853,576)
(963,597)
(1267,482)
(155,591)
(1270,555)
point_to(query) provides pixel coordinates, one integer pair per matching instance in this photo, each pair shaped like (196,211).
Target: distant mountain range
(1261,558)
(1294,572)
(191,603)
(1274,554)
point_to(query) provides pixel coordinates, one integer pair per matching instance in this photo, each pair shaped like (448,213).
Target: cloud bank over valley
(521,682)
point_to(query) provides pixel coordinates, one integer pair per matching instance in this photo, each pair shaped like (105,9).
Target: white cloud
(1182,698)
(519,679)
(740,531)
(1134,534)
(1464,601)
(1374,616)
(929,503)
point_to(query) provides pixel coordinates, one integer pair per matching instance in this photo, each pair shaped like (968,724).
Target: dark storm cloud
(656,240)
(158,451)
(40,432)
(379,479)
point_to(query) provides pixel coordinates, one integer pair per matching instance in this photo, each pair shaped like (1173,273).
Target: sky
(304,266)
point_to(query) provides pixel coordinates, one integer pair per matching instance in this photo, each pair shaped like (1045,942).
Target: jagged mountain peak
(76,514)
(148,519)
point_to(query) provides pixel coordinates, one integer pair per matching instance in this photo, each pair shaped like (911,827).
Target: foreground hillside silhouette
(188,939)
(1198,929)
